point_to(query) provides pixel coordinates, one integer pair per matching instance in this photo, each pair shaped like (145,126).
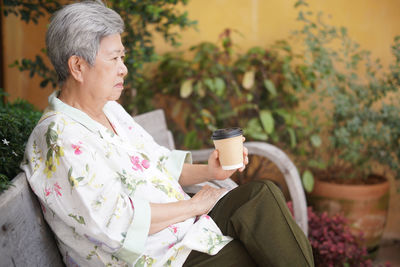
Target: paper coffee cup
(229,143)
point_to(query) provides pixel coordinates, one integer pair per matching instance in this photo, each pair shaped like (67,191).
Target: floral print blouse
(95,187)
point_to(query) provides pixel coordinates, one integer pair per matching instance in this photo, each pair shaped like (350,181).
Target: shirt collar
(77,115)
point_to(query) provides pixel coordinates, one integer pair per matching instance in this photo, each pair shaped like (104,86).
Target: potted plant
(355,121)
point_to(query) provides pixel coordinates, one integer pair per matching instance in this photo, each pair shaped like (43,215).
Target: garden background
(260,23)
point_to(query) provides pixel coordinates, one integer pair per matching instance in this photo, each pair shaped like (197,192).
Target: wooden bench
(26,239)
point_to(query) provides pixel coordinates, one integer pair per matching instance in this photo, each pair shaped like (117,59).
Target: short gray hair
(77,29)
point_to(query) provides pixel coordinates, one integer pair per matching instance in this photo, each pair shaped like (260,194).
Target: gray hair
(77,29)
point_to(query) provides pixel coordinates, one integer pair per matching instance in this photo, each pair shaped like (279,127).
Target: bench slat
(25,239)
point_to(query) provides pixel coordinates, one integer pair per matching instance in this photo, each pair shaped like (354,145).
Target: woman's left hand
(214,167)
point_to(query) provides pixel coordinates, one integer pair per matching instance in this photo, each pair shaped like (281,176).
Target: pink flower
(130,127)
(174,229)
(47,192)
(206,216)
(171,245)
(145,164)
(133,207)
(77,148)
(136,165)
(57,189)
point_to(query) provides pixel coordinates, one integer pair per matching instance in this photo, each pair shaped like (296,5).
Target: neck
(79,98)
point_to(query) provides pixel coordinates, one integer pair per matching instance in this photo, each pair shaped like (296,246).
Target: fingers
(215,154)
(245,151)
(245,158)
(206,198)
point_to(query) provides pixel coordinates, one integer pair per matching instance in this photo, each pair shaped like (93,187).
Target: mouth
(119,85)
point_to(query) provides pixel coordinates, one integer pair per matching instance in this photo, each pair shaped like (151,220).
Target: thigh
(233,201)
(233,254)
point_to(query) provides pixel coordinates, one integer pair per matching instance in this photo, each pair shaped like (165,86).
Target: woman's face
(105,79)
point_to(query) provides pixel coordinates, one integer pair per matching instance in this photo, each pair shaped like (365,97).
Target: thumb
(215,154)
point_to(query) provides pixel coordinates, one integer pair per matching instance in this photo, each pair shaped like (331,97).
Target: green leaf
(315,140)
(308,181)
(248,79)
(269,85)
(267,121)
(219,84)
(209,83)
(254,130)
(186,88)
(292,136)
(70,172)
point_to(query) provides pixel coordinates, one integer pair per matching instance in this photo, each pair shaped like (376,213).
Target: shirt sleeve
(176,160)
(76,183)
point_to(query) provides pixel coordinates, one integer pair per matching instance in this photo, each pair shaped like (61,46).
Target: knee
(268,187)
(266,184)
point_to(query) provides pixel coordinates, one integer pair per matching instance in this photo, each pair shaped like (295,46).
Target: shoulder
(56,127)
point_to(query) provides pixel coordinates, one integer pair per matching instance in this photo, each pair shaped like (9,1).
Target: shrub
(220,87)
(17,120)
(332,242)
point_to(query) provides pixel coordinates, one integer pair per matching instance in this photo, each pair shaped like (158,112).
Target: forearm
(194,174)
(163,215)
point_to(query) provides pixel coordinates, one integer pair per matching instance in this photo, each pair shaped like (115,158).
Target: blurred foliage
(143,19)
(29,10)
(218,87)
(17,120)
(353,102)
(347,120)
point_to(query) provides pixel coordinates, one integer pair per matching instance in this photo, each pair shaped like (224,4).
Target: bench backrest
(25,239)
(155,124)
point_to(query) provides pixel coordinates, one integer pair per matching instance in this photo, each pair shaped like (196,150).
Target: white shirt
(95,188)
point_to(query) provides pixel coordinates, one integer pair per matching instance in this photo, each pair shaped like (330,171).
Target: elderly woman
(112,196)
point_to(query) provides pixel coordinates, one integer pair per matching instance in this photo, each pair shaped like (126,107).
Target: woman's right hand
(205,199)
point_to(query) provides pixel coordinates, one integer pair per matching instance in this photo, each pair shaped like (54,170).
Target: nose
(123,70)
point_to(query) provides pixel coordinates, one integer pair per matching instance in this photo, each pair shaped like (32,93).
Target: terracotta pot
(365,207)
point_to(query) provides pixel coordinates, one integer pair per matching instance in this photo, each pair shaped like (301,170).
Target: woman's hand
(205,199)
(215,169)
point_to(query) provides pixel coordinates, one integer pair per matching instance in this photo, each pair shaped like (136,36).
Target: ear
(77,66)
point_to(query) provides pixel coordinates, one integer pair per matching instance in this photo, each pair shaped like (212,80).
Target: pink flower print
(130,127)
(145,164)
(77,148)
(171,245)
(206,216)
(47,192)
(133,207)
(57,189)
(136,165)
(174,229)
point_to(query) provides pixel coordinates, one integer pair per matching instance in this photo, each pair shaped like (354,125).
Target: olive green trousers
(265,234)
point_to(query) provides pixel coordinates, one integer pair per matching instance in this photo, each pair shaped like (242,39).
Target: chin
(114,97)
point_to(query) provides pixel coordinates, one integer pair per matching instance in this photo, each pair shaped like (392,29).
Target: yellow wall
(373,24)
(21,40)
